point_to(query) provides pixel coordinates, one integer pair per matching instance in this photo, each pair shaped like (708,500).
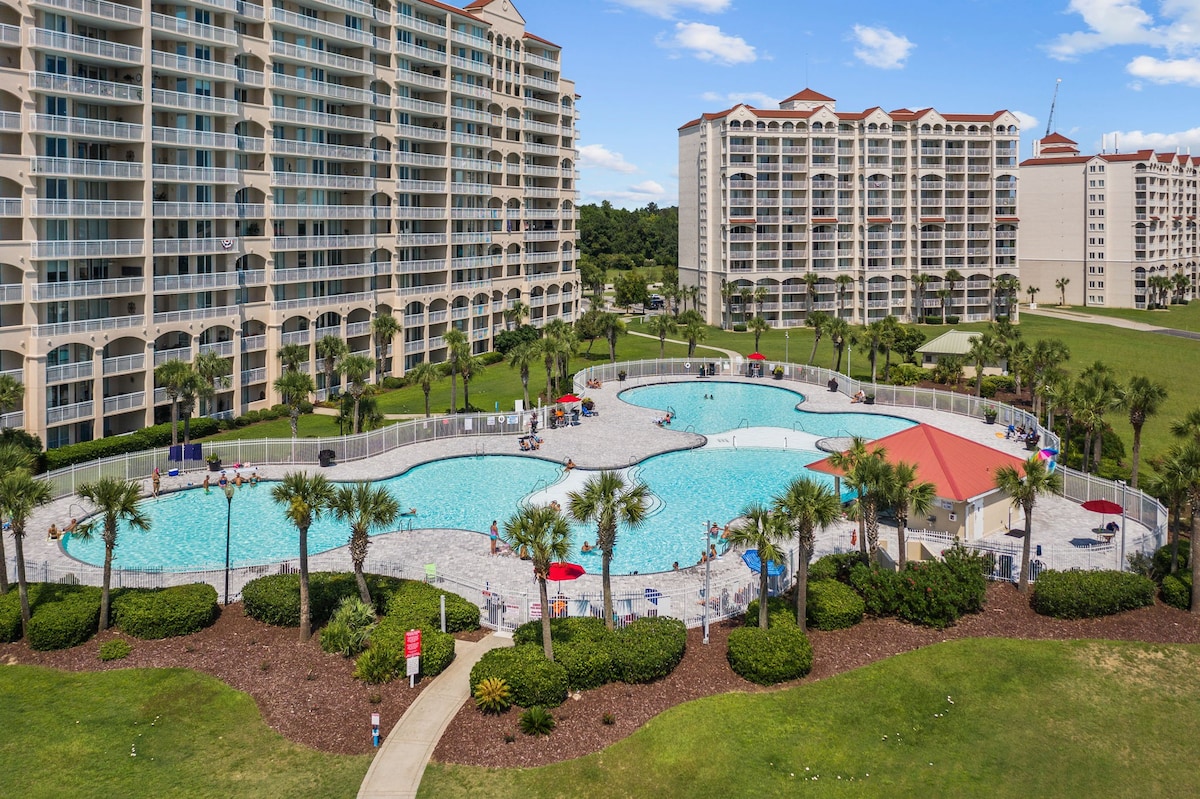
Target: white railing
(194,314)
(124,402)
(88,288)
(257,375)
(88,168)
(251,343)
(69,371)
(194,30)
(66,413)
(94,248)
(124,363)
(41,37)
(178,354)
(79,126)
(196,246)
(104,209)
(196,102)
(313,56)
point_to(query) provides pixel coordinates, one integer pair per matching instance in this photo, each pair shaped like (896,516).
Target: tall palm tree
(172,376)
(747,294)
(357,369)
(1096,393)
(331,350)
(819,322)
(469,366)
(954,277)
(661,326)
(1170,485)
(921,283)
(691,325)
(1008,288)
(847,460)
(115,501)
(839,333)
(12,392)
(943,295)
(1032,291)
(1141,398)
(806,506)
(20,493)
(871,340)
(1187,463)
(607,500)
(547,349)
(304,499)
(1041,366)
(758,326)
(610,326)
(810,280)
(890,333)
(844,282)
(728,290)
(1023,490)
(762,531)
(365,507)
(1188,426)
(1061,285)
(214,370)
(514,314)
(425,374)
(760,297)
(292,355)
(194,388)
(294,388)
(982,351)
(904,494)
(384,328)
(456,342)
(522,358)
(544,535)
(13,458)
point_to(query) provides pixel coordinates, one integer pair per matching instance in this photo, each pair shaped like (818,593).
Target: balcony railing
(69,371)
(222,348)
(67,413)
(102,209)
(338,272)
(92,248)
(195,314)
(330,299)
(324,242)
(200,138)
(196,246)
(309,55)
(194,174)
(82,45)
(124,363)
(76,289)
(251,376)
(296,337)
(87,168)
(212,280)
(252,343)
(193,30)
(196,102)
(125,402)
(94,128)
(178,354)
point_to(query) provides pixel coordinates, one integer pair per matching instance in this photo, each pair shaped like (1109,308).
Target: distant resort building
(860,214)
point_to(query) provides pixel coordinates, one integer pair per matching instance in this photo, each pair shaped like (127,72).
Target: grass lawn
(309,426)
(73,734)
(1179,317)
(1028,718)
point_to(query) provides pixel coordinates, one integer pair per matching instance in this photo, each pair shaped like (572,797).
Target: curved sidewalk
(396,771)
(1112,321)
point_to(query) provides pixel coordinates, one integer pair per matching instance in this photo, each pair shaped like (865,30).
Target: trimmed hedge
(147,438)
(532,679)
(1087,594)
(437,648)
(649,649)
(1162,558)
(780,610)
(275,598)
(66,622)
(562,631)
(833,606)
(1177,590)
(770,656)
(834,567)
(418,604)
(931,593)
(40,595)
(164,612)
(589,664)
(592,655)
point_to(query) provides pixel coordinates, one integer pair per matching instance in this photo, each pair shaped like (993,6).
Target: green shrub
(996,383)
(1087,594)
(834,567)
(931,593)
(1177,590)
(437,647)
(164,612)
(833,606)
(275,598)
(492,695)
(952,319)
(739,327)
(532,679)
(770,656)
(66,622)
(592,655)
(649,649)
(379,664)
(392,383)
(879,588)
(1162,559)
(39,594)
(146,438)
(537,721)
(909,374)
(489,358)
(116,649)
(562,631)
(589,664)
(417,604)
(779,610)
(350,628)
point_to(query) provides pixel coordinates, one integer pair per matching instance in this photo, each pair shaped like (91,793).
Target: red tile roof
(1062,159)
(529,35)
(959,468)
(1057,138)
(454,10)
(810,95)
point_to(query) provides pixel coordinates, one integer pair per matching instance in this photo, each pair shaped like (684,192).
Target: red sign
(412,643)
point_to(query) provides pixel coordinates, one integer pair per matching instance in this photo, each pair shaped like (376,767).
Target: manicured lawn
(309,426)
(1179,317)
(74,734)
(978,717)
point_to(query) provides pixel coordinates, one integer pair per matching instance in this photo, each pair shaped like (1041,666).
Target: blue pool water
(187,528)
(736,405)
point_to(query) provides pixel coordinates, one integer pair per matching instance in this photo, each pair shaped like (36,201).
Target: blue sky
(645,67)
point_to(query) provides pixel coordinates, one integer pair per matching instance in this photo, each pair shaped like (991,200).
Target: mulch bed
(312,698)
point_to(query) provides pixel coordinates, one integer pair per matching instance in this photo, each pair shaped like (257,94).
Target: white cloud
(1130,140)
(1176,70)
(708,43)
(667,8)
(879,47)
(637,194)
(1027,122)
(597,156)
(756,99)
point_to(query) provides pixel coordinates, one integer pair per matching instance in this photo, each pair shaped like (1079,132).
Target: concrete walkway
(399,764)
(1111,321)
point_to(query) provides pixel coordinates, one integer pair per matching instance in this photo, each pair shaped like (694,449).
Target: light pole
(786,337)
(707,584)
(1124,523)
(228,519)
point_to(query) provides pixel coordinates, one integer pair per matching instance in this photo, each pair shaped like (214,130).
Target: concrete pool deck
(621,435)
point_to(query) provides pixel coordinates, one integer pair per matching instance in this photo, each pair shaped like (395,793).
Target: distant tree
(693,328)
(806,506)
(661,326)
(172,377)
(523,358)
(630,289)
(365,507)
(292,355)
(1061,285)
(543,534)
(456,343)
(384,328)
(425,374)
(1023,490)
(819,322)
(294,388)
(331,349)
(1141,398)
(357,369)
(758,326)
(304,499)
(763,531)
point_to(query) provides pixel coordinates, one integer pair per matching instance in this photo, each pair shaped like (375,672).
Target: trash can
(325,457)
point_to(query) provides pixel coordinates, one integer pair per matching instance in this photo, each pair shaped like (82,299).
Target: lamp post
(786,337)
(228,519)
(1124,522)
(707,584)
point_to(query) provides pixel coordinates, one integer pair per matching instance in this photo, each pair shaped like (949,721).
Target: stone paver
(398,766)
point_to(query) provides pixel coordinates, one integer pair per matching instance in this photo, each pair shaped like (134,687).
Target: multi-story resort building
(222,176)
(859,215)
(1110,229)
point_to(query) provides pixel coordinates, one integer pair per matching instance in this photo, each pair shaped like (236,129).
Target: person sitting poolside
(859,396)
(1112,527)
(52,533)
(569,465)
(70,528)
(1011,431)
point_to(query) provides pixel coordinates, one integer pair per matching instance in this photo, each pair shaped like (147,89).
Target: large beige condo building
(218,176)
(860,215)
(1112,229)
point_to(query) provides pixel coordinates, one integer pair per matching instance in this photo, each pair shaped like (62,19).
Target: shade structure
(1102,506)
(750,558)
(565,571)
(568,398)
(756,356)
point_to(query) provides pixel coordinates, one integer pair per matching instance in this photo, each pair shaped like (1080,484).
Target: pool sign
(412,655)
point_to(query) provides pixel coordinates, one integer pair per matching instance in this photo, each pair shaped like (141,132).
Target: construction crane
(1053,102)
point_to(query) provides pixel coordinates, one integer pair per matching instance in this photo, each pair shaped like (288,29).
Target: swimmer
(586,547)
(205,484)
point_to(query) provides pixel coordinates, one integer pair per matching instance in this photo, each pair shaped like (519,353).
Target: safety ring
(687,365)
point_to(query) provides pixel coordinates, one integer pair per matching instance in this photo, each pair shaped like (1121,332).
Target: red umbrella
(756,356)
(565,571)
(567,398)
(1102,506)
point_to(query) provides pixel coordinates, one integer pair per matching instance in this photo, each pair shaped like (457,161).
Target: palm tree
(547,350)
(762,531)
(357,369)
(13,458)
(1061,285)
(1142,398)
(331,350)
(921,283)
(115,501)
(214,370)
(294,388)
(1008,287)
(20,493)
(1187,463)
(607,501)
(610,326)
(456,342)
(943,295)
(954,277)
(758,326)
(515,313)
(728,290)
(983,350)
(844,282)
(871,338)
(847,460)
(469,366)
(1032,291)
(889,338)
(839,333)
(805,506)
(194,387)
(760,296)
(691,325)
(12,392)
(661,326)
(304,499)
(292,355)
(747,294)
(365,507)
(1023,491)
(425,374)
(544,535)
(1095,394)
(810,280)
(172,377)
(904,495)
(384,327)
(1170,485)
(819,322)
(1188,426)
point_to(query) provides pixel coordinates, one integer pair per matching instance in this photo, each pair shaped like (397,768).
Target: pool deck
(619,436)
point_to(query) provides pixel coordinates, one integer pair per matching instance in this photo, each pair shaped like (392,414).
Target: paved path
(1111,321)
(731,354)
(396,771)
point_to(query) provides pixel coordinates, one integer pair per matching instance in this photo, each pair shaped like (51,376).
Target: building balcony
(187,65)
(196,314)
(124,402)
(193,30)
(406,212)
(89,326)
(195,102)
(252,376)
(166,210)
(254,343)
(320,88)
(88,248)
(208,140)
(329,30)
(194,174)
(222,348)
(483,68)
(423,133)
(91,128)
(94,49)
(123,364)
(209,281)
(87,168)
(339,272)
(420,239)
(309,55)
(425,54)
(87,209)
(68,372)
(68,413)
(78,289)
(298,337)
(196,246)
(97,9)
(325,242)
(413,267)
(415,78)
